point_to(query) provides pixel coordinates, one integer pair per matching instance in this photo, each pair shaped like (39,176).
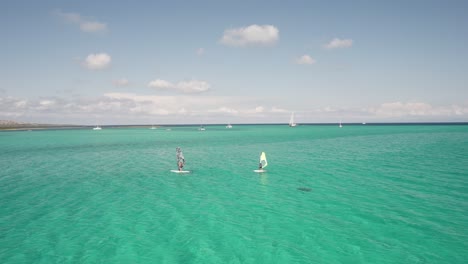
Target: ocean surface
(359,194)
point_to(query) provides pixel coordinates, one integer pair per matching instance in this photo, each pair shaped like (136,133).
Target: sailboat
(97,127)
(291,121)
(202,128)
(263,163)
(340,124)
(229,126)
(180,161)
(153,127)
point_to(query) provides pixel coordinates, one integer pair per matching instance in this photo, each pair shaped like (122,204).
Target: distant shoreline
(25,127)
(39,127)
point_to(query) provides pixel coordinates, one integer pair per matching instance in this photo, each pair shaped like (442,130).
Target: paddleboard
(259,171)
(178,171)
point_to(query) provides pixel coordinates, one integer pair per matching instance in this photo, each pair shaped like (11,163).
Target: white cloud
(251,35)
(121,82)
(305,59)
(398,109)
(97,61)
(416,109)
(93,26)
(194,86)
(200,51)
(160,84)
(278,110)
(174,105)
(458,110)
(21,103)
(46,102)
(130,108)
(70,17)
(337,43)
(193,105)
(224,109)
(85,24)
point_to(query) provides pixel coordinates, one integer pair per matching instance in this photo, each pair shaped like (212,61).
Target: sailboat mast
(291,120)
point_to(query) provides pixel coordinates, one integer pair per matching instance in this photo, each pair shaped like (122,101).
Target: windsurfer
(180,158)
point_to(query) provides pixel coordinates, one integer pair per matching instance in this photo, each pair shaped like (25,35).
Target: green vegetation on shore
(13,125)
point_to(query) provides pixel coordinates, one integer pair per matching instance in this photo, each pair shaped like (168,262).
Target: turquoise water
(359,194)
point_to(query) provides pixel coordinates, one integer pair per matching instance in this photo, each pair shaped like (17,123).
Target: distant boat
(229,126)
(291,121)
(262,163)
(340,124)
(97,127)
(363,123)
(202,128)
(153,127)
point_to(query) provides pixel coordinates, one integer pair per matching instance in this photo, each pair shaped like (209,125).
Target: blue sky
(144,62)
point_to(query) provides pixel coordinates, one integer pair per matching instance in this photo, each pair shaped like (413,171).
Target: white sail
(291,121)
(180,157)
(263,160)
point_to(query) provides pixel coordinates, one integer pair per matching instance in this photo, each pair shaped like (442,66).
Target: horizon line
(25,125)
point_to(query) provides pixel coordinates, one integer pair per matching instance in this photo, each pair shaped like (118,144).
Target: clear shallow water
(370,194)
